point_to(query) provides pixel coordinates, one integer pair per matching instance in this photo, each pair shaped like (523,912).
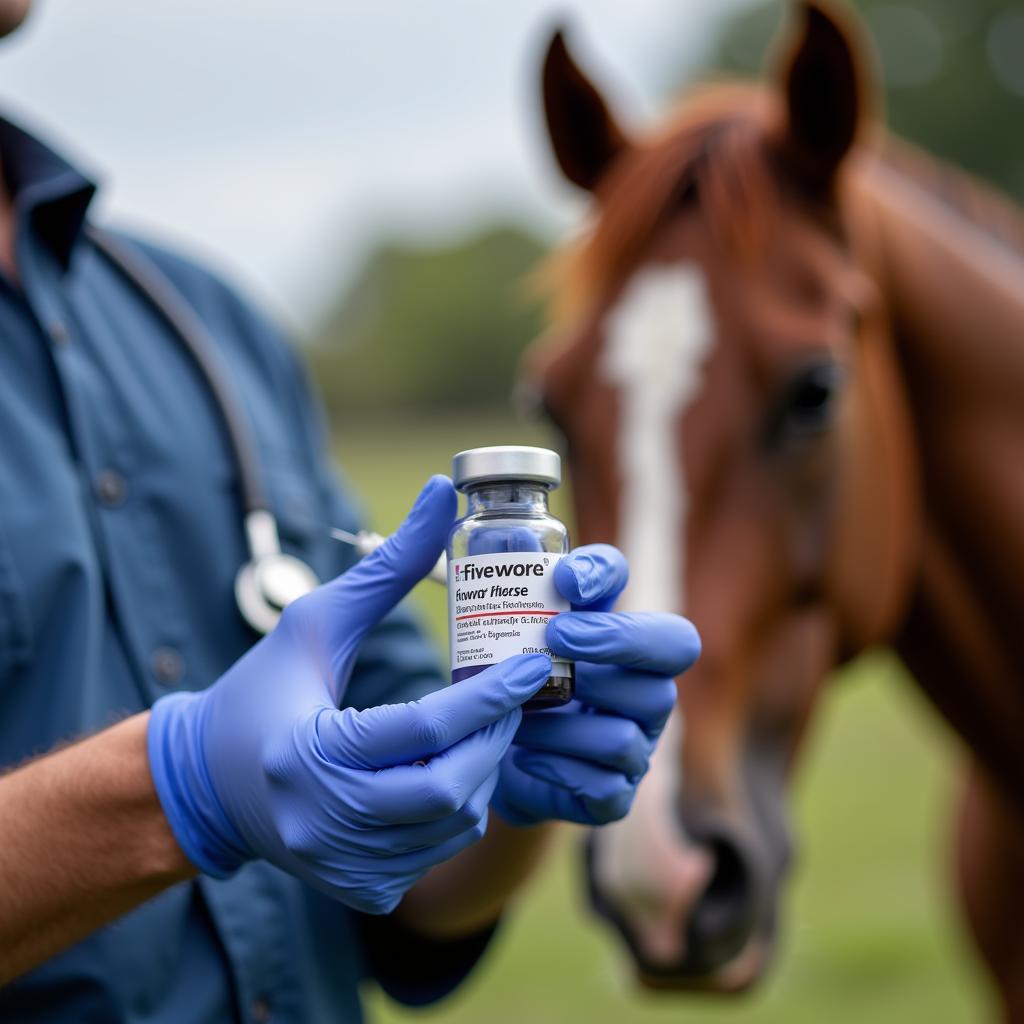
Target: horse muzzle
(716,937)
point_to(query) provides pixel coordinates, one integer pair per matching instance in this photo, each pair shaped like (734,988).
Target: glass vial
(501,560)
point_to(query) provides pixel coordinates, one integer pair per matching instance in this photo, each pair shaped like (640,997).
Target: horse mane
(715,146)
(980,204)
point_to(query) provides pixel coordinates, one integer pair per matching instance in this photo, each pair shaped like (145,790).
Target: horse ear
(823,84)
(584,134)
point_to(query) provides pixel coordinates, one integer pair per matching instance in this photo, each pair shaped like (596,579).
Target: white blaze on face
(658,337)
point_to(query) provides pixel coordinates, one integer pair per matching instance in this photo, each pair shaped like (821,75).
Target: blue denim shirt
(120,536)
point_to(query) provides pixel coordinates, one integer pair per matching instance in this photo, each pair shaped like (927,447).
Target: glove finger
(423,859)
(607,740)
(592,576)
(374,884)
(440,787)
(606,795)
(396,734)
(652,641)
(362,596)
(523,800)
(368,890)
(396,839)
(646,698)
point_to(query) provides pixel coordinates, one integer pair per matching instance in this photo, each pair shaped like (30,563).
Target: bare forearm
(470,891)
(84,841)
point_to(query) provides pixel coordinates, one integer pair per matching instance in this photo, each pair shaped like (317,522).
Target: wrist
(157,854)
(85,840)
(114,792)
(186,793)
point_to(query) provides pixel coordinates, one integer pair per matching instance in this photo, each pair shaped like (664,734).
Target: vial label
(499,605)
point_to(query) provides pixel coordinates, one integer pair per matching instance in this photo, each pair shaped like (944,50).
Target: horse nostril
(726,913)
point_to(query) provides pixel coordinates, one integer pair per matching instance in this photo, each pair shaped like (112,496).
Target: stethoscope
(270,579)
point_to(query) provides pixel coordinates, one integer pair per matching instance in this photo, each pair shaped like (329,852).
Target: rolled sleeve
(415,969)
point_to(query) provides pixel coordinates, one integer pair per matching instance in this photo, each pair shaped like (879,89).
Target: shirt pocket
(15,623)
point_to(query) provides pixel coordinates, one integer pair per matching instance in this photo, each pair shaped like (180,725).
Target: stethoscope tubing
(270,578)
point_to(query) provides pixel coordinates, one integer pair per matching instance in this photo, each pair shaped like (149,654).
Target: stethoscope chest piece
(271,579)
(266,585)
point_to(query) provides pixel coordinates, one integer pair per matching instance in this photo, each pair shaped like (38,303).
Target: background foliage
(429,328)
(952,73)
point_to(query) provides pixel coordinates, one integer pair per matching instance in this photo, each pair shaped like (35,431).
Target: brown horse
(790,375)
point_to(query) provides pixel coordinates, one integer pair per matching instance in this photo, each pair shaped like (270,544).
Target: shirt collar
(50,195)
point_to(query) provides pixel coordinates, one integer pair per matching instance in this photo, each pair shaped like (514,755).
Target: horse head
(720,366)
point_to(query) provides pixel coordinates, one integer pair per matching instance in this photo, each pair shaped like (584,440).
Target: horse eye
(809,403)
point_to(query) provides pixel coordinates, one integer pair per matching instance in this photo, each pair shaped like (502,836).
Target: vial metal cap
(506,462)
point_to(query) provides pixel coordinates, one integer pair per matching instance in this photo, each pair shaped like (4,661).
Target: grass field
(870,931)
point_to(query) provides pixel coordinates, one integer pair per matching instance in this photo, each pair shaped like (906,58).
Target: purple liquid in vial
(507,491)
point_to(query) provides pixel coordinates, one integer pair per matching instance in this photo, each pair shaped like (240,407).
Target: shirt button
(260,1011)
(111,487)
(167,664)
(59,333)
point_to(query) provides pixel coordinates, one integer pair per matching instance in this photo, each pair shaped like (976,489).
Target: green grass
(870,931)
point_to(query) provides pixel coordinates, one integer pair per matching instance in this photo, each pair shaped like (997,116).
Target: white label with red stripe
(499,605)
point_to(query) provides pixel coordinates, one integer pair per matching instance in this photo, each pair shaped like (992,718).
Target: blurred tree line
(952,71)
(431,329)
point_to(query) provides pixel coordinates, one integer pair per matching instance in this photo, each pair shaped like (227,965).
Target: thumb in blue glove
(360,804)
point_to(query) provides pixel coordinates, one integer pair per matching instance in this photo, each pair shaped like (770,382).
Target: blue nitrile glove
(359,804)
(582,762)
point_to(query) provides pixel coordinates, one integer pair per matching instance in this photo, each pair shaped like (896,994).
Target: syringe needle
(348,538)
(366,542)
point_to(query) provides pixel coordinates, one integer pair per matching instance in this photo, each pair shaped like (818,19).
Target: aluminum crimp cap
(506,462)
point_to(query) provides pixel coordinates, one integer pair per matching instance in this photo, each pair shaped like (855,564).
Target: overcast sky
(275,139)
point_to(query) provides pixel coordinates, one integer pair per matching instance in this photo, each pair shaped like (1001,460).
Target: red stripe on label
(511,615)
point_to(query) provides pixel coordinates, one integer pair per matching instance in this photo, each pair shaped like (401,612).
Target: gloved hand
(582,762)
(359,804)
